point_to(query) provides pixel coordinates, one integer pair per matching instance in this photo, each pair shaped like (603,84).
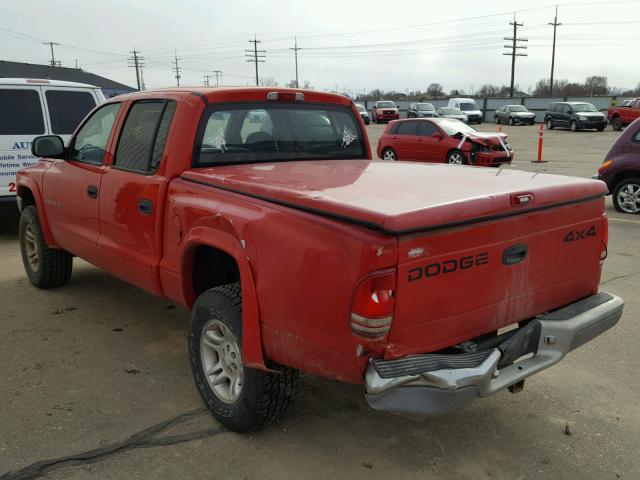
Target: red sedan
(443,140)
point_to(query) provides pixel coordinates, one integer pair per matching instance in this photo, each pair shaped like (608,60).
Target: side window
(91,141)
(144,135)
(67,109)
(407,128)
(426,129)
(567,109)
(21,112)
(636,137)
(559,107)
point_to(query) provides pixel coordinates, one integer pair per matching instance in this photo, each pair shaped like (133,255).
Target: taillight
(373,304)
(285,96)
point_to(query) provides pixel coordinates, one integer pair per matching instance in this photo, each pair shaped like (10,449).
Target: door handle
(92,191)
(145,207)
(515,254)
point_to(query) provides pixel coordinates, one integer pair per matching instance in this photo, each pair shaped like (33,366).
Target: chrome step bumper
(432,384)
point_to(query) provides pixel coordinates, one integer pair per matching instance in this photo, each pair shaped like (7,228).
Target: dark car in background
(420,110)
(620,170)
(514,115)
(574,116)
(363,113)
(384,111)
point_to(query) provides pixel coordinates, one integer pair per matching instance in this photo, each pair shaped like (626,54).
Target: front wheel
(573,126)
(512,122)
(45,267)
(549,124)
(497,118)
(456,157)
(616,123)
(626,196)
(389,155)
(241,398)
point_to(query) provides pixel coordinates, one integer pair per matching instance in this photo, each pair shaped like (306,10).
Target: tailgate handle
(515,254)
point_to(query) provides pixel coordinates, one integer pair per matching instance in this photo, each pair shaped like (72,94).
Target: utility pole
(142,85)
(53,58)
(136,61)
(206,79)
(218,74)
(176,68)
(514,49)
(77,67)
(257,56)
(295,51)
(553,54)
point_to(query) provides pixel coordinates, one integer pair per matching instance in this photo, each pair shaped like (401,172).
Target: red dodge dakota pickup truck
(623,115)
(261,211)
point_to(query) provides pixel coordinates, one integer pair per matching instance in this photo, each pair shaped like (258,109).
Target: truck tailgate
(460,282)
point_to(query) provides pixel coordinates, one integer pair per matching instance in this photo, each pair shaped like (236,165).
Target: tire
(366,122)
(573,126)
(456,157)
(497,118)
(600,129)
(626,196)
(45,267)
(549,123)
(256,398)
(616,123)
(512,122)
(389,155)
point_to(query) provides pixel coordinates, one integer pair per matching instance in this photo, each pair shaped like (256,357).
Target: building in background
(31,70)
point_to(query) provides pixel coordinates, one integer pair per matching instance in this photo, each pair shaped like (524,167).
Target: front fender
(28,183)
(251,334)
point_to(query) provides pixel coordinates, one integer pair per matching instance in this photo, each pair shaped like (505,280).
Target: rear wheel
(241,398)
(616,123)
(45,267)
(573,126)
(626,196)
(456,157)
(549,123)
(389,155)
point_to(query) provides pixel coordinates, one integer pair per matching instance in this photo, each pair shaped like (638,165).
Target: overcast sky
(354,45)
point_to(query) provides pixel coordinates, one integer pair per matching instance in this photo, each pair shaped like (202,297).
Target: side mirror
(49,146)
(437,135)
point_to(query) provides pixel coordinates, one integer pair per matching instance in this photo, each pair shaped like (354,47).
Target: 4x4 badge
(575,235)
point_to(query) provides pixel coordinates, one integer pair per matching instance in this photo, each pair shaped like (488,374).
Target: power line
(514,49)
(553,52)
(176,68)
(136,62)
(257,56)
(295,51)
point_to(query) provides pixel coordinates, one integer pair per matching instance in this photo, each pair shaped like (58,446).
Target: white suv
(469,107)
(34,107)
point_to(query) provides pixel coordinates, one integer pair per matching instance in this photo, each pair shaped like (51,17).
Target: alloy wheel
(221,361)
(31,248)
(389,155)
(629,198)
(456,158)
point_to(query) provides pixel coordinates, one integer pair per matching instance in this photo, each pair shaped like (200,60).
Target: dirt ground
(95,384)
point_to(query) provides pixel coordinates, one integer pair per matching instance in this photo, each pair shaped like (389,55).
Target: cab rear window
(21,112)
(268,132)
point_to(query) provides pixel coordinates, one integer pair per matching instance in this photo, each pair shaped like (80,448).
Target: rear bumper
(433,384)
